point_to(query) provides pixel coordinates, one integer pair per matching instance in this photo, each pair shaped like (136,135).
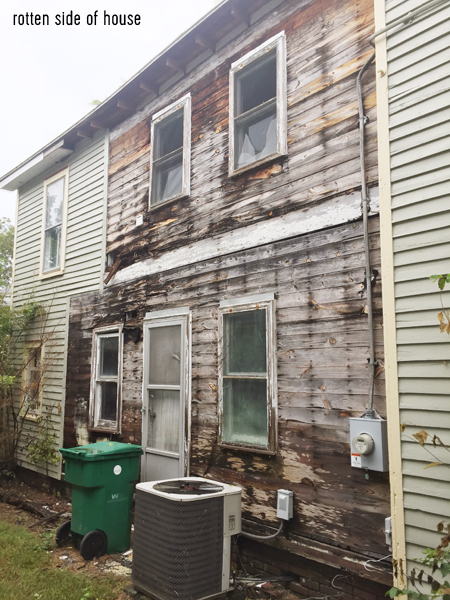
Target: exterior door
(166,395)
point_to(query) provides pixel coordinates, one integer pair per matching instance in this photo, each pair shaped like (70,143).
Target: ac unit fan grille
(177,547)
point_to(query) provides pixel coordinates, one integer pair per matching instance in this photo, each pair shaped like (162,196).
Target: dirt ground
(33,500)
(31,506)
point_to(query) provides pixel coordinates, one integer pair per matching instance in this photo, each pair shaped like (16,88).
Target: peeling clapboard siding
(419,88)
(291,227)
(322,352)
(83,269)
(317,179)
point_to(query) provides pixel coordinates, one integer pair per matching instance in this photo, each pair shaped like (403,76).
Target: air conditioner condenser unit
(182,537)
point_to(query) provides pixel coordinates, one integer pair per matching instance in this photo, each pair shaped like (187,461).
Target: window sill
(49,274)
(104,429)
(255,165)
(252,449)
(32,418)
(168,201)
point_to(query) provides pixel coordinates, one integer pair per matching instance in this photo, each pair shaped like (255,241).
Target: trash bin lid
(101,451)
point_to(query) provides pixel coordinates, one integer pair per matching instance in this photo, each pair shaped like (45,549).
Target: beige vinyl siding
(419,123)
(82,272)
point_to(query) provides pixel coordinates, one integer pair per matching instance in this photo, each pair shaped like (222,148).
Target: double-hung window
(247,373)
(105,406)
(258,106)
(170,152)
(54,224)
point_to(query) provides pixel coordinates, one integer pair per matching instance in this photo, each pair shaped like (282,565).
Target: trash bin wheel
(63,533)
(93,544)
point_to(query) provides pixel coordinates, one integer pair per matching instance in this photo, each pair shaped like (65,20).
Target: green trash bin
(102,477)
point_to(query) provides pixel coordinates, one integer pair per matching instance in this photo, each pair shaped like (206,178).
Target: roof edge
(29,168)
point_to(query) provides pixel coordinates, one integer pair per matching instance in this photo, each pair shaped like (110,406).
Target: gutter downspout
(370,412)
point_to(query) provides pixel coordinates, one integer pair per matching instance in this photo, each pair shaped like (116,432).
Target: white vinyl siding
(419,97)
(82,269)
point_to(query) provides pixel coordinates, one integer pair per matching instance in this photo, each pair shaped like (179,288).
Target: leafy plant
(22,374)
(441,279)
(439,561)
(42,451)
(6,251)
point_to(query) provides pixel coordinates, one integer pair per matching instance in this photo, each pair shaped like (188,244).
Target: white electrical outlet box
(285,504)
(368,444)
(139,220)
(388,531)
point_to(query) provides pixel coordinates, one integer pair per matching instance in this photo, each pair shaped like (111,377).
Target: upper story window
(248,387)
(258,106)
(106,387)
(170,152)
(54,224)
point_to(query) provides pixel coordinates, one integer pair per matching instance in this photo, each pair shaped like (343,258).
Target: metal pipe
(370,413)
(407,18)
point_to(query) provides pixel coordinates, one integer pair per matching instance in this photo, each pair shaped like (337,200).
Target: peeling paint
(296,471)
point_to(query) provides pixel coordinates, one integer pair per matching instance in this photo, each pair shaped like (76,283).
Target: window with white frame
(54,224)
(105,407)
(32,382)
(170,152)
(258,106)
(248,388)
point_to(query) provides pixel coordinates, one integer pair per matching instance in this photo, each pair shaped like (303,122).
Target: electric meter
(363,443)
(368,443)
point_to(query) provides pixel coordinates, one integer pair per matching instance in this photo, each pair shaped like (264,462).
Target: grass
(27,572)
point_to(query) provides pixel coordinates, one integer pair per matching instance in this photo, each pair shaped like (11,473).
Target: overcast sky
(50,74)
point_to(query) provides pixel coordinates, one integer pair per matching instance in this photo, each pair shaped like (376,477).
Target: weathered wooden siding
(419,99)
(326,46)
(315,271)
(322,354)
(83,269)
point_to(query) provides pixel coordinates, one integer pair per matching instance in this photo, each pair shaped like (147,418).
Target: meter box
(368,444)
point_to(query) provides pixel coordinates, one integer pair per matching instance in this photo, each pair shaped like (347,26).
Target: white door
(166,397)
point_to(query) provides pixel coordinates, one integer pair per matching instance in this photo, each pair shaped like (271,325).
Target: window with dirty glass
(105,410)
(170,153)
(247,378)
(257,106)
(32,384)
(53,225)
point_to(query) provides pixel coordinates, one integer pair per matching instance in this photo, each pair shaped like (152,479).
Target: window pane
(167,178)
(109,356)
(107,396)
(245,342)
(256,137)
(33,383)
(168,134)
(55,203)
(256,84)
(165,355)
(163,420)
(52,248)
(245,411)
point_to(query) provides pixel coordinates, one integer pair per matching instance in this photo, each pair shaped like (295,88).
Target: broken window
(258,105)
(55,208)
(170,153)
(106,380)
(248,379)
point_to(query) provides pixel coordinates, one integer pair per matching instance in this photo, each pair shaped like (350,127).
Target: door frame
(160,318)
